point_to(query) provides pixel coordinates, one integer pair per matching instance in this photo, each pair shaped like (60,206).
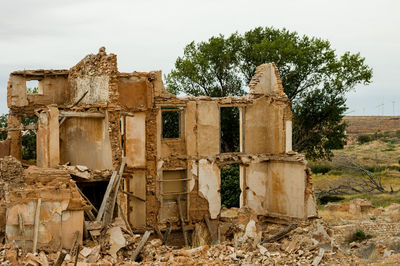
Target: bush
(320,169)
(329,198)
(359,236)
(230,186)
(364,139)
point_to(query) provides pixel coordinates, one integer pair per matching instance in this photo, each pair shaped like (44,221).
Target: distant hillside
(358,125)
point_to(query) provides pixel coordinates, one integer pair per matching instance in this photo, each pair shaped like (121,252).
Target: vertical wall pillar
(54,136)
(288,130)
(48,138)
(42,143)
(14,121)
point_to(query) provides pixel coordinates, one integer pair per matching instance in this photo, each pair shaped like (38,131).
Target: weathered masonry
(92,115)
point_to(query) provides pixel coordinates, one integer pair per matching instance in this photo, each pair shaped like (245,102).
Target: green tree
(314,77)
(3,124)
(28,136)
(230,186)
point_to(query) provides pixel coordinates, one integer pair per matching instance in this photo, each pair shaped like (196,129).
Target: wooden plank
(82,114)
(88,212)
(108,215)
(75,244)
(157,230)
(60,258)
(141,245)
(280,234)
(125,220)
(80,99)
(106,195)
(133,195)
(166,235)
(36,228)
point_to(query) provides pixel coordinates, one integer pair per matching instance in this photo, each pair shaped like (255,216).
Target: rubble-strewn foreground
(239,237)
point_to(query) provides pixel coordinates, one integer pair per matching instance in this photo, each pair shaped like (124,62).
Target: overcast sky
(149,35)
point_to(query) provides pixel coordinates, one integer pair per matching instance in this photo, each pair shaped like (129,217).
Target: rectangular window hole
(230,129)
(171,123)
(29,139)
(230,186)
(33,87)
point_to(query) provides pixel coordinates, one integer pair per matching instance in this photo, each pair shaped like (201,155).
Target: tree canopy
(314,77)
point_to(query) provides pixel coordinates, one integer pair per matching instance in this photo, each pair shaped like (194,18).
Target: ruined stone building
(91,116)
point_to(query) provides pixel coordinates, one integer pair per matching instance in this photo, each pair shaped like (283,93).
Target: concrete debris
(117,240)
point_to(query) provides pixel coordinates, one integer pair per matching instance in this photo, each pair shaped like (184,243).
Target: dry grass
(381,156)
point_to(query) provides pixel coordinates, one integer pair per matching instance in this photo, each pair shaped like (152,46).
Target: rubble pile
(244,239)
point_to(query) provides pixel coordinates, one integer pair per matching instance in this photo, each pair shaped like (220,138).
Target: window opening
(29,139)
(230,129)
(230,186)
(33,87)
(171,122)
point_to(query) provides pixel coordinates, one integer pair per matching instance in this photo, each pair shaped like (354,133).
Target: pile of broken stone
(242,237)
(245,241)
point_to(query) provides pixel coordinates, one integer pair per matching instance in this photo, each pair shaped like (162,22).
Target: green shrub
(359,236)
(329,198)
(320,169)
(230,186)
(364,139)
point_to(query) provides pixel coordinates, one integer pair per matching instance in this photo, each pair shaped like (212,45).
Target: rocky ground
(326,241)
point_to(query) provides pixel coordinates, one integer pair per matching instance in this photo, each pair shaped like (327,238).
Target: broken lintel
(81,114)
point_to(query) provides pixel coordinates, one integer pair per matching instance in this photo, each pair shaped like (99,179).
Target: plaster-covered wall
(85,141)
(208,128)
(209,186)
(285,185)
(135,92)
(136,140)
(264,127)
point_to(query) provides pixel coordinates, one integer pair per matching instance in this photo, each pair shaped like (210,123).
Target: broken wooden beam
(20,128)
(88,212)
(130,194)
(109,208)
(182,221)
(81,114)
(140,246)
(280,234)
(122,213)
(157,230)
(167,233)
(36,228)
(106,195)
(208,223)
(61,257)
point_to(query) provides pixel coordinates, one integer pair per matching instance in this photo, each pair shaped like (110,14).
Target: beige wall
(85,141)
(208,128)
(136,140)
(264,127)
(210,185)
